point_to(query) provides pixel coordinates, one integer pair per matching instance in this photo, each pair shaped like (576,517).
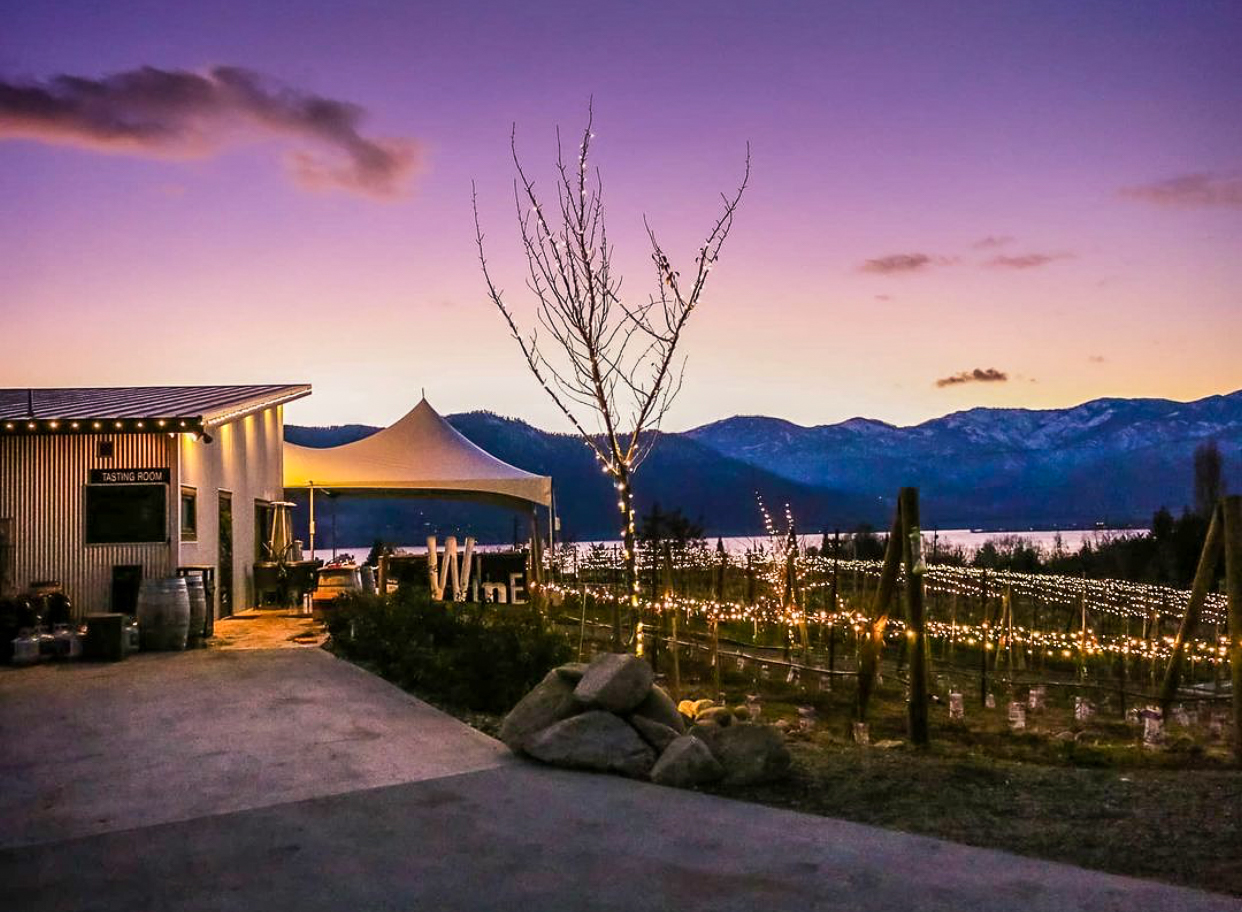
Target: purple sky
(1051,192)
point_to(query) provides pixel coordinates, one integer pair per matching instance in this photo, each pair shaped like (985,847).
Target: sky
(1017,204)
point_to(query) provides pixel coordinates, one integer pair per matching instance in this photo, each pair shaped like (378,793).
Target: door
(126,581)
(8,578)
(225,551)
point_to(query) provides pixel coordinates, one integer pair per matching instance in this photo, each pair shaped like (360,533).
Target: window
(189,514)
(104,450)
(126,513)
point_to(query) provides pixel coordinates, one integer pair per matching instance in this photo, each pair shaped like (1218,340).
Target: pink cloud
(181,114)
(1200,190)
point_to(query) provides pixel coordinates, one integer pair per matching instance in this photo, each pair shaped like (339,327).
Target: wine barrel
(164,613)
(198,609)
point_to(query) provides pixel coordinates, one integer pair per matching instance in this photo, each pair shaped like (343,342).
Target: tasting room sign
(130,476)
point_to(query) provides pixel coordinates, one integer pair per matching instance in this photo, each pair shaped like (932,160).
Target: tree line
(1165,555)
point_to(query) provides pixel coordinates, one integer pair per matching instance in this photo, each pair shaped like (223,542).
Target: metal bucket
(164,613)
(26,649)
(198,609)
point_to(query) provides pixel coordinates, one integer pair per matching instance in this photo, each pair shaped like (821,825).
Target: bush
(479,657)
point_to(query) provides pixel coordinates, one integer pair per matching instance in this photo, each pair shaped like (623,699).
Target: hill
(1111,461)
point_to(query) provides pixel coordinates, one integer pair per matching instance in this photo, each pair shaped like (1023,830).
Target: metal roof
(201,405)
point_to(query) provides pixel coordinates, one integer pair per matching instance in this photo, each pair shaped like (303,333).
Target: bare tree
(611,366)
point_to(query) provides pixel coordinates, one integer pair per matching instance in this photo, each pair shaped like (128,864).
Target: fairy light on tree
(611,360)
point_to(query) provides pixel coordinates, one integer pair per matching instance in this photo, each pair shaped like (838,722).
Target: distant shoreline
(1071,539)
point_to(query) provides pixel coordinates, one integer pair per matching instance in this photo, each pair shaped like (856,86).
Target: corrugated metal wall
(42,488)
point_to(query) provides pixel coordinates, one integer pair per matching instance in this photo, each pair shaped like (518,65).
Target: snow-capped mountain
(1108,460)
(1111,461)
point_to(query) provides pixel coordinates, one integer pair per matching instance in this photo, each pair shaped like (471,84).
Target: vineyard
(775,611)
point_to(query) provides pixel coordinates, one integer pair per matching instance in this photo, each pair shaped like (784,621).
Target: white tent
(422,453)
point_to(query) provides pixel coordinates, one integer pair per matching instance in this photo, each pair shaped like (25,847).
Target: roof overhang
(473,495)
(136,410)
(255,404)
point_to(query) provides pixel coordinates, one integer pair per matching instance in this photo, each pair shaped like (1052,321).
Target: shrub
(479,657)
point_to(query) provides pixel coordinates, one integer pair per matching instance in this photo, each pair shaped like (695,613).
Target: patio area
(267,629)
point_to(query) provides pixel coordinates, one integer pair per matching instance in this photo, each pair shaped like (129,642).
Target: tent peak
(420,451)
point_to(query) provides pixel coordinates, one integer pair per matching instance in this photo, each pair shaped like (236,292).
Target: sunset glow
(951,205)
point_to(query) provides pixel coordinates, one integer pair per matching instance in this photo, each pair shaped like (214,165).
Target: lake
(1071,540)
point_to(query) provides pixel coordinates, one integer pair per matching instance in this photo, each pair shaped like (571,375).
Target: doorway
(8,577)
(126,581)
(225,555)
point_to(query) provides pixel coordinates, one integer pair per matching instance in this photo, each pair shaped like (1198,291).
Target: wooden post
(1123,670)
(1036,653)
(1009,632)
(659,603)
(617,645)
(835,601)
(912,548)
(983,645)
(801,601)
(750,578)
(676,659)
(1002,640)
(1153,630)
(668,596)
(722,559)
(1204,574)
(1233,590)
(787,598)
(1216,639)
(952,627)
(871,640)
(1082,630)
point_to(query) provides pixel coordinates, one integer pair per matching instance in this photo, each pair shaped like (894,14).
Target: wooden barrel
(164,613)
(198,609)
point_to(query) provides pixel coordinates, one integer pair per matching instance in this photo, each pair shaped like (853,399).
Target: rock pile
(610,716)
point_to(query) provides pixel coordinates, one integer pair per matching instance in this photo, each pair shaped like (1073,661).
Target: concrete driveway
(290,780)
(93,748)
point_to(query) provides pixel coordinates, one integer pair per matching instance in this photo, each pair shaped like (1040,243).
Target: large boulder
(615,682)
(748,752)
(657,734)
(593,741)
(551,701)
(686,762)
(659,706)
(572,671)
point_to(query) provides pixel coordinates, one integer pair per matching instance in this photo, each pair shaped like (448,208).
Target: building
(102,487)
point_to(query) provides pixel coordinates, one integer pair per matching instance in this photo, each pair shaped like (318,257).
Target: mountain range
(1108,461)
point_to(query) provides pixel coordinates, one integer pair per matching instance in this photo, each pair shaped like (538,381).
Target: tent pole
(552,521)
(536,559)
(312,521)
